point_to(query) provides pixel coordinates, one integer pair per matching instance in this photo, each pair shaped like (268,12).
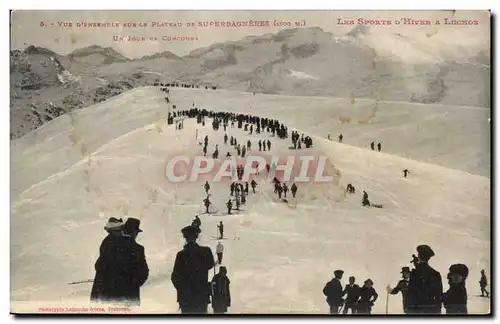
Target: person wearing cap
(221,295)
(190,273)
(123,267)
(402,287)
(425,287)
(455,299)
(367,298)
(114,229)
(352,290)
(333,292)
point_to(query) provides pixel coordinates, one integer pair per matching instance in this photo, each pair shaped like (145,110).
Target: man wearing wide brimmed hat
(114,228)
(425,287)
(190,273)
(122,267)
(402,287)
(333,292)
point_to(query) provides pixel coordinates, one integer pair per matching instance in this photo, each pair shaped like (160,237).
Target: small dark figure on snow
(206,203)
(402,287)
(253,184)
(350,189)
(352,290)
(285,189)
(268,145)
(221,230)
(205,150)
(341,137)
(455,299)
(249,145)
(225,138)
(425,287)
(367,298)
(293,189)
(246,187)
(207,187)
(121,268)
(196,222)
(221,296)
(190,274)
(251,129)
(229,206)
(379,147)
(333,292)
(232,187)
(260,146)
(405,173)
(372,145)
(483,283)
(206,140)
(280,190)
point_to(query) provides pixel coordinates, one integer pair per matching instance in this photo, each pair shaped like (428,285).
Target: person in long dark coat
(352,291)
(455,299)
(122,267)
(190,274)
(483,283)
(333,292)
(114,229)
(425,287)
(367,298)
(221,294)
(402,287)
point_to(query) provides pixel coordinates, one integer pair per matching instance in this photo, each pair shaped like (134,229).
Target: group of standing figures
(421,289)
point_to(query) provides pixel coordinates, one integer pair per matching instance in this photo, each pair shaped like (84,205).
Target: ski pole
(387,304)
(80,282)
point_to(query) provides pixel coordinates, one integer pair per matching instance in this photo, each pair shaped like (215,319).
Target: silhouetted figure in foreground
(333,292)
(190,274)
(221,295)
(402,287)
(455,299)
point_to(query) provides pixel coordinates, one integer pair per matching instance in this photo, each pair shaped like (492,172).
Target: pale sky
(26,30)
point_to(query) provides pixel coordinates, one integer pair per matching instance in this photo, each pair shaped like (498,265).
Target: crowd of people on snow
(121,268)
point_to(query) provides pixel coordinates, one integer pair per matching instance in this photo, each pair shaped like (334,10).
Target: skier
(251,129)
(379,146)
(205,150)
(260,145)
(207,187)
(455,299)
(405,172)
(219,250)
(246,188)
(190,273)
(232,188)
(425,287)
(402,287)
(249,145)
(285,189)
(372,145)
(280,191)
(352,290)
(253,184)
(206,140)
(268,145)
(196,222)
(229,206)
(238,150)
(225,138)
(341,137)
(293,189)
(221,296)
(221,230)
(329,137)
(243,151)
(483,283)
(206,203)
(365,301)
(333,292)
(121,268)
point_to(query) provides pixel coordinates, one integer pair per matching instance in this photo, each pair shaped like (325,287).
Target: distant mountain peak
(164,54)
(109,52)
(32,49)
(359,30)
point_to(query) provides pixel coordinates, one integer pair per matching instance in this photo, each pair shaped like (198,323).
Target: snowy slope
(278,258)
